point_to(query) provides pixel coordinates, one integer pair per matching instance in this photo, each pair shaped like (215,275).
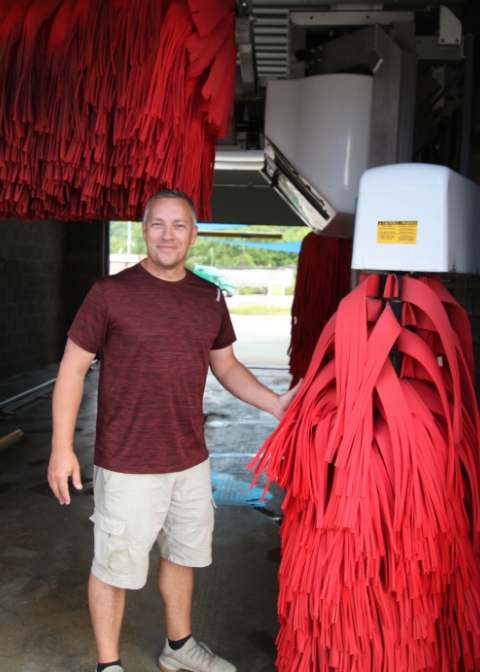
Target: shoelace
(381,529)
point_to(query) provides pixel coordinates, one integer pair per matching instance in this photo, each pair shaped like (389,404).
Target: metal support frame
(296,43)
(467,105)
(246,55)
(27,393)
(373,50)
(447,45)
(358,4)
(428,49)
(349,18)
(450,27)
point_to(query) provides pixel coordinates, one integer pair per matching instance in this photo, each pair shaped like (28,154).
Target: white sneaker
(113,668)
(193,657)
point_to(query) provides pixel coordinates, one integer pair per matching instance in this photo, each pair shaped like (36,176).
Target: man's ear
(194,235)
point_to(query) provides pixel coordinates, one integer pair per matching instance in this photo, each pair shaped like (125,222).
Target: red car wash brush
(323,279)
(378,453)
(107,102)
(380,537)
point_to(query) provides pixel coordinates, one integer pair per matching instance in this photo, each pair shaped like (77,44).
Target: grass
(260,310)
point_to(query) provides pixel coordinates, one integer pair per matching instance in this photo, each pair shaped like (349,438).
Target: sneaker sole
(163,668)
(172,669)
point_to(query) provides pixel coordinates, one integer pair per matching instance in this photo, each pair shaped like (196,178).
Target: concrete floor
(46,549)
(262,339)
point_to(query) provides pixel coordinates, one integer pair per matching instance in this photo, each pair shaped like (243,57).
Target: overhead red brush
(105,103)
(380,463)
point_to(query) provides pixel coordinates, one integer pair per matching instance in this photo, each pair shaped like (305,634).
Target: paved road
(262,340)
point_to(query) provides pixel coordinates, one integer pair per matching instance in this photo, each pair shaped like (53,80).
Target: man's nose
(167,233)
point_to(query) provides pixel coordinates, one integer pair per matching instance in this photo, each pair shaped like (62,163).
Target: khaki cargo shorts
(133,511)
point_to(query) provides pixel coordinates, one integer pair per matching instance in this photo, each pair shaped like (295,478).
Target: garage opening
(255,268)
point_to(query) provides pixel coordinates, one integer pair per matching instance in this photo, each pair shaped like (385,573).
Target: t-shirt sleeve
(89,327)
(226,333)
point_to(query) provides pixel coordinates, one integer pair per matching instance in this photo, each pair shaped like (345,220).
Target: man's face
(169,231)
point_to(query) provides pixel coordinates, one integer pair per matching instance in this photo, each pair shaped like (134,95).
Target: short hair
(169,193)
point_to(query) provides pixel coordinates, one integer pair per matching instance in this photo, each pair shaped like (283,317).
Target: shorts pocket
(108,525)
(111,549)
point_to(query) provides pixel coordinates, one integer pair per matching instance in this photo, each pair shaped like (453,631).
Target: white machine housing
(417,217)
(317,137)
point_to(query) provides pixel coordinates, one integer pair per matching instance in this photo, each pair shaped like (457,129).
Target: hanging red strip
(104,103)
(379,458)
(323,279)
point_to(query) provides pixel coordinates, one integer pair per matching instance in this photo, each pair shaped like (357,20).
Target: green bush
(213,252)
(253,290)
(259,310)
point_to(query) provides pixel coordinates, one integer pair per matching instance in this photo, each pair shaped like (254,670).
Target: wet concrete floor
(45,549)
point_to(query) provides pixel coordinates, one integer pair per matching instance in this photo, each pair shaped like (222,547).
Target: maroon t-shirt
(154,339)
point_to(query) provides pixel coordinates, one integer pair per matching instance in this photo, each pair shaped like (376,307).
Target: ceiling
(271,46)
(271,35)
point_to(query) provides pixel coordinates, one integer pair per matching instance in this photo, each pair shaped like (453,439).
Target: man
(157,328)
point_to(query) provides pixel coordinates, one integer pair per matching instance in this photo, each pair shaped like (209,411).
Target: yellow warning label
(397,233)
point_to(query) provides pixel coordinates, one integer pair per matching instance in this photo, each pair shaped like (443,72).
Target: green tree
(214,252)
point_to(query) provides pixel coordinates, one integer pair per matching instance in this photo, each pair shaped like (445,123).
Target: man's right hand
(61,467)
(67,395)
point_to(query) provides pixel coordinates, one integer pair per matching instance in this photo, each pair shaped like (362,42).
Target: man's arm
(67,396)
(238,380)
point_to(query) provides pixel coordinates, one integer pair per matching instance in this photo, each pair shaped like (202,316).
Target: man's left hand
(284,400)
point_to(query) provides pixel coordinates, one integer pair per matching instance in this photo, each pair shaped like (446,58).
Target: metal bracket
(450,31)
(447,45)
(428,49)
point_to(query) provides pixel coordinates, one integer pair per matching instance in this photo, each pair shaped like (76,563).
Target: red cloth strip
(107,102)
(380,538)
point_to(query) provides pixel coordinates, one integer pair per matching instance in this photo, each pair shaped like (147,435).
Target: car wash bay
(46,267)
(46,549)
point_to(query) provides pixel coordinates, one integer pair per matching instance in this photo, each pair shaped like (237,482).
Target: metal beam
(275,49)
(265,62)
(271,53)
(274,69)
(467,111)
(269,21)
(344,18)
(278,5)
(271,40)
(271,30)
(246,56)
(428,49)
(240,234)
